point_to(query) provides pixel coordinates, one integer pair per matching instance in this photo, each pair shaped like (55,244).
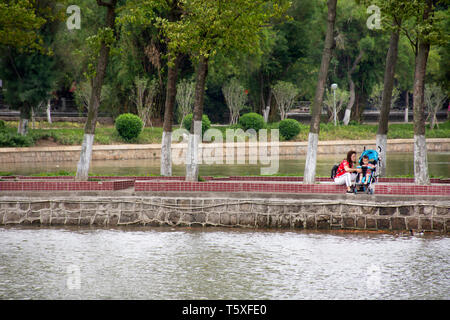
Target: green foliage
(187,122)
(129,126)
(8,139)
(2,124)
(251,120)
(289,128)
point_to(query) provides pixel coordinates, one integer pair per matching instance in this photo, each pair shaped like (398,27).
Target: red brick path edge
(388,186)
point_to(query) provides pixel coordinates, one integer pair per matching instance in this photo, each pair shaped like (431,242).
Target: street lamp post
(334,87)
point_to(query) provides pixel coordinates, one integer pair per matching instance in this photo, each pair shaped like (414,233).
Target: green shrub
(251,120)
(2,125)
(289,128)
(187,122)
(8,139)
(129,126)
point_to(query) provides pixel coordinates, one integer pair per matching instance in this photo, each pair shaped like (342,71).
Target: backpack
(334,171)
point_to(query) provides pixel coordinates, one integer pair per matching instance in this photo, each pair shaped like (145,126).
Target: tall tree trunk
(313,137)
(351,102)
(25,116)
(407,107)
(420,146)
(389,73)
(49,112)
(195,134)
(94,101)
(166,146)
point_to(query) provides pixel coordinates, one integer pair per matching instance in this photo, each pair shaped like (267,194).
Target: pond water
(397,164)
(167,263)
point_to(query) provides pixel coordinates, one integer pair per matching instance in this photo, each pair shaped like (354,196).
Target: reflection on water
(164,263)
(397,164)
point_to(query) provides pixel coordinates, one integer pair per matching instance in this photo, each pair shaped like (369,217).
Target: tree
(434,99)
(185,98)
(313,136)
(206,28)
(103,42)
(144,93)
(27,64)
(235,98)
(20,23)
(285,94)
(342,97)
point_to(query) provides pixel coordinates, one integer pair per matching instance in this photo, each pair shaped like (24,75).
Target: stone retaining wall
(153,151)
(202,211)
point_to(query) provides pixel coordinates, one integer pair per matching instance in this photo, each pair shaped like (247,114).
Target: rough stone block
(308,209)
(398,223)
(277,209)
(232,207)
(406,210)
(360,222)
(425,223)
(9,205)
(89,206)
(371,223)
(57,221)
(113,219)
(348,222)
(173,217)
(369,210)
(387,211)
(310,222)
(259,208)
(412,223)
(213,218)
(323,222)
(383,224)
(336,220)
(245,207)
(13,216)
(262,220)
(350,210)
(247,219)
(292,208)
(440,211)
(285,221)
(129,206)
(72,221)
(424,210)
(40,205)
(438,224)
(45,218)
(199,217)
(87,213)
(297,221)
(24,206)
(272,221)
(332,209)
(71,206)
(225,218)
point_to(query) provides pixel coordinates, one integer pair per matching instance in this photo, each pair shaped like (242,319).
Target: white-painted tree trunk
(347,116)
(192,161)
(266,112)
(311,158)
(421,176)
(49,114)
(85,158)
(166,154)
(23,127)
(381,149)
(406,115)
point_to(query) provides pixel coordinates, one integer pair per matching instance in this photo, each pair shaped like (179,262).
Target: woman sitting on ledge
(346,172)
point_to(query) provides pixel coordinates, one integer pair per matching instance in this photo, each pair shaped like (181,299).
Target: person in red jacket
(347,171)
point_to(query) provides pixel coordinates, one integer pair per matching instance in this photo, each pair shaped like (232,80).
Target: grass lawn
(67,133)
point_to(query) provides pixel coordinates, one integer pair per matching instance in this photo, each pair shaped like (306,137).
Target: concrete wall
(153,151)
(252,211)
